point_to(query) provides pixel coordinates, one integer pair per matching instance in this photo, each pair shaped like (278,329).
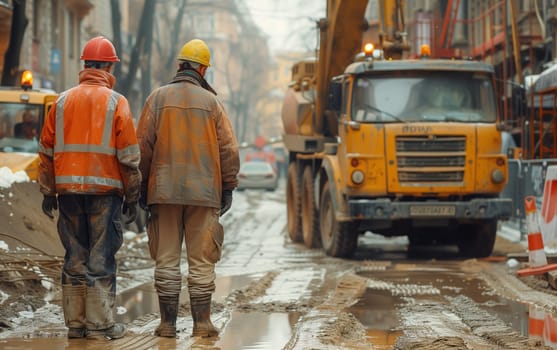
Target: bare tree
(168,53)
(142,45)
(116,34)
(11,57)
(147,50)
(247,69)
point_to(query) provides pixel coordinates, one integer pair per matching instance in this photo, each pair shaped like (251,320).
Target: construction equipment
(378,142)
(22,112)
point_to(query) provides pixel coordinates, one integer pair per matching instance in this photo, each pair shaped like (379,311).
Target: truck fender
(329,172)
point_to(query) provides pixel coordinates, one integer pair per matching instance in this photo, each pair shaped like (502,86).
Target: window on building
(205,24)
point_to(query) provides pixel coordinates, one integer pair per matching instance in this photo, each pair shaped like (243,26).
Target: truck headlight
(497,176)
(357,177)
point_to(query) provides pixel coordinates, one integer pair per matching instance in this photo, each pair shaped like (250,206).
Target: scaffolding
(504,33)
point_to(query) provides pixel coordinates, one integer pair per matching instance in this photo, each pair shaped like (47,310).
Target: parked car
(257,174)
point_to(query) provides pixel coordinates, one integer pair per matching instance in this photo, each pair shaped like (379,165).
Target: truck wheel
(338,238)
(293,205)
(310,218)
(477,240)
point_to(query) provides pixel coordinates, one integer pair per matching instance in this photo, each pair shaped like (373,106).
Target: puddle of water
(376,309)
(32,344)
(225,285)
(143,299)
(137,302)
(268,331)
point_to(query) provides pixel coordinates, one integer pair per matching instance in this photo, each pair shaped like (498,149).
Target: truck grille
(431,159)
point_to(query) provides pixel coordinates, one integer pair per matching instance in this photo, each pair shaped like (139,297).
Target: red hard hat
(99,49)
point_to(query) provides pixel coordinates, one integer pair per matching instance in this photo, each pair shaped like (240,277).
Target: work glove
(129,210)
(226,201)
(49,203)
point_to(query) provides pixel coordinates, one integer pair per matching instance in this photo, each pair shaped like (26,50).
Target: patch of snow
(128,235)
(512,263)
(7,177)
(4,246)
(120,310)
(46,281)
(3,297)
(27,314)
(47,284)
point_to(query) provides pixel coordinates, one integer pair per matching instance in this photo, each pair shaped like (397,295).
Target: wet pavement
(273,294)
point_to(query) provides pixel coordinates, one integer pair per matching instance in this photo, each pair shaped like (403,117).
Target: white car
(257,174)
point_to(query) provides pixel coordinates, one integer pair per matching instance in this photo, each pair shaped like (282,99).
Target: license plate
(432,210)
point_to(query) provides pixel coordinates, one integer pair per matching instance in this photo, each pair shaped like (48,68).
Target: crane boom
(340,40)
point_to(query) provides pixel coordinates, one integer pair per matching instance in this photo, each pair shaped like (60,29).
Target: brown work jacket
(189,153)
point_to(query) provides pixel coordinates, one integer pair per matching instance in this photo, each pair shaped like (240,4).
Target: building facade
(52,40)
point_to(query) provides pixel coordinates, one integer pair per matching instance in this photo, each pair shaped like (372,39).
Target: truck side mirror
(334,98)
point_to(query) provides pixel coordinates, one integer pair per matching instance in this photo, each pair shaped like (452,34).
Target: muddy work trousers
(91,232)
(169,226)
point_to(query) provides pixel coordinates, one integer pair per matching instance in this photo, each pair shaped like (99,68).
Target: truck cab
(409,147)
(22,113)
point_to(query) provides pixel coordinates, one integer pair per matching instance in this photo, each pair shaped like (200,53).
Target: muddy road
(274,294)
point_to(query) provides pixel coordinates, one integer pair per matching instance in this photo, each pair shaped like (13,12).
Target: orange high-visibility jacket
(88,143)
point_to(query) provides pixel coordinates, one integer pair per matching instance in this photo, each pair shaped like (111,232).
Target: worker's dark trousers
(91,233)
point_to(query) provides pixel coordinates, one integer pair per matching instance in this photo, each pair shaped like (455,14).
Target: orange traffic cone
(537,260)
(536,320)
(536,254)
(550,331)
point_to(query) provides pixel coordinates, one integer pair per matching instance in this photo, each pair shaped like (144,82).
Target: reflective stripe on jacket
(189,152)
(88,143)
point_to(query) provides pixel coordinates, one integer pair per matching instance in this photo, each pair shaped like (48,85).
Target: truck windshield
(418,96)
(19,127)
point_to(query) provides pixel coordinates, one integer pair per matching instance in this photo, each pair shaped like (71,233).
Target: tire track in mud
(462,323)
(459,324)
(486,325)
(514,288)
(327,326)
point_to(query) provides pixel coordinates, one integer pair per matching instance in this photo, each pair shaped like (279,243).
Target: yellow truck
(391,145)
(22,113)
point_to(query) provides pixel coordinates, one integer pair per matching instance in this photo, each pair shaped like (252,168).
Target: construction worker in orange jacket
(189,164)
(89,170)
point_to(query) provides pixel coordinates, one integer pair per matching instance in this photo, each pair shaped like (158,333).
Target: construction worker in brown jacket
(189,163)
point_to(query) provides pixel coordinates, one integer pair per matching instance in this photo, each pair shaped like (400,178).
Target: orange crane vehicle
(394,145)
(22,113)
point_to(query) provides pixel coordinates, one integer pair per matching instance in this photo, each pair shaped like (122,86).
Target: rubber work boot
(77,333)
(100,319)
(73,299)
(201,314)
(168,307)
(116,331)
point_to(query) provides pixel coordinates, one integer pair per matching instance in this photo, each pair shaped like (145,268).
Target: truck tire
(477,240)
(293,204)
(310,218)
(339,239)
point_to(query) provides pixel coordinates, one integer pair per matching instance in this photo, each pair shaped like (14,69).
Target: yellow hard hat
(196,51)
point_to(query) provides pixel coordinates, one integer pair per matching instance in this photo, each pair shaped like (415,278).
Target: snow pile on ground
(7,177)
